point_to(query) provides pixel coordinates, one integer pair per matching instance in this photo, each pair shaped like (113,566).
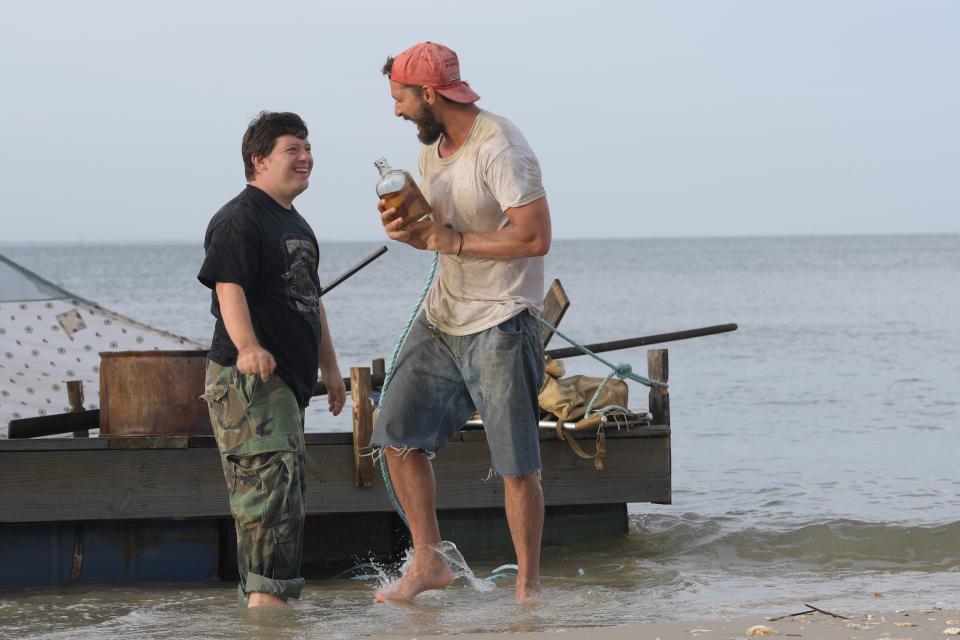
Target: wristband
(460,248)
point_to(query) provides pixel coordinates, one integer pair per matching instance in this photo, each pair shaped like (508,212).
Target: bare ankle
(527,591)
(255,599)
(429,556)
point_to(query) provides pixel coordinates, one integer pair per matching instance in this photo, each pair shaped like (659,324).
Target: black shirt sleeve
(232,253)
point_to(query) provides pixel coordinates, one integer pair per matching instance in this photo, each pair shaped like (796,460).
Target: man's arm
(527,235)
(329,369)
(251,357)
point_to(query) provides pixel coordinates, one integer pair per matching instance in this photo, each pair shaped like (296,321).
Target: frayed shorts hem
(377,449)
(493,473)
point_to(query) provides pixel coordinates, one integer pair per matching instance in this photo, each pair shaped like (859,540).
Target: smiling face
(410,105)
(284,173)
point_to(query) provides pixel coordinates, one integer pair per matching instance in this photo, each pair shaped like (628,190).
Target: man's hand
(428,235)
(256,359)
(336,390)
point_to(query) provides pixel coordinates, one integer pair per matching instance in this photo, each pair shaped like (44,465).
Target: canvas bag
(567,398)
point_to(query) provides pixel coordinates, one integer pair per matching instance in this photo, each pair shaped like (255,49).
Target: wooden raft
(66,479)
(127,478)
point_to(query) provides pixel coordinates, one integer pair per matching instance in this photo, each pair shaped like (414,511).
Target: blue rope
(384,469)
(621,370)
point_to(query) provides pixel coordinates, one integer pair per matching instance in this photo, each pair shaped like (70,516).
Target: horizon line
(168,242)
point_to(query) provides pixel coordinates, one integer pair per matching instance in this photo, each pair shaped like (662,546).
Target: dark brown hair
(263,131)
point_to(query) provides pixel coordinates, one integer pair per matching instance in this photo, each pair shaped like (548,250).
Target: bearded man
(476,346)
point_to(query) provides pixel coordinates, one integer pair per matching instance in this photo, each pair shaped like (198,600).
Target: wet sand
(916,624)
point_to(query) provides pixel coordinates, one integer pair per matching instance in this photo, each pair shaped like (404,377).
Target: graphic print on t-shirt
(301,261)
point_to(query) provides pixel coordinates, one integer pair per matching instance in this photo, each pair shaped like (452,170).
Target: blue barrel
(109,551)
(32,555)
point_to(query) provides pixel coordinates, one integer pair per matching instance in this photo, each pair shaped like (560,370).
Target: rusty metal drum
(153,393)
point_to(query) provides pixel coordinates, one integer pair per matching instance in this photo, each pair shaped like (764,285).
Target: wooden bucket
(153,393)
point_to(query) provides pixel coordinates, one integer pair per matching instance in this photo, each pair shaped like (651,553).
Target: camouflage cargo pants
(259,430)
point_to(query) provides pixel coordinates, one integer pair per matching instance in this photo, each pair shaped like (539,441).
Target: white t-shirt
(494,170)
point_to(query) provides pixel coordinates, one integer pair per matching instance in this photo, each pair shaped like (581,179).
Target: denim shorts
(439,380)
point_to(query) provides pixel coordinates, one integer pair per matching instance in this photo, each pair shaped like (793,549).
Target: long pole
(373,256)
(616,345)
(599,347)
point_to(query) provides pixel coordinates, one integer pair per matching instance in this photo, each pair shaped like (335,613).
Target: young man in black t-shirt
(271,335)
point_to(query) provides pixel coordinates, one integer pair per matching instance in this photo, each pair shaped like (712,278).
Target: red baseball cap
(428,64)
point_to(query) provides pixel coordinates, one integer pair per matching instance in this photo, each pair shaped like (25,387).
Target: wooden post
(362,425)
(555,304)
(657,369)
(75,396)
(378,367)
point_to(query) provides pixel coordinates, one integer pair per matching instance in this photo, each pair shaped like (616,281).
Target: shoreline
(917,624)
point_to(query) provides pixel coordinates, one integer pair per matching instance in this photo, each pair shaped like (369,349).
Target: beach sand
(915,624)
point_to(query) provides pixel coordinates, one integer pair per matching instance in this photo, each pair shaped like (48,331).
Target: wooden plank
(111,484)
(635,472)
(555,304)
(612,433)
(75,398)
(362,426)
(658,369)
(188,483)
(52,444)
(150,442)
(55,424)
(336,437)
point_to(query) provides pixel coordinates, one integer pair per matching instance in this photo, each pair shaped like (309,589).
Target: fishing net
(49,336)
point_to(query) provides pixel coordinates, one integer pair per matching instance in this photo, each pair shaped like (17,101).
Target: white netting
(49,336)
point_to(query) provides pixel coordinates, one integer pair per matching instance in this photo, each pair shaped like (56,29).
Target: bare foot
(256,599)
(432,573)
(527,592)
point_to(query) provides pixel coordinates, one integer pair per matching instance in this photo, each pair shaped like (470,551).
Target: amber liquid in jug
(398,189)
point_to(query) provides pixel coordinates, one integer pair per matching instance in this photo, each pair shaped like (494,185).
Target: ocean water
(814,450)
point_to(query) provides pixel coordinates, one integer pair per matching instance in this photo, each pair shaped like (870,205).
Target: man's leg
(427,403)
(258,427)
(505,372)
(412,477)
(523,500)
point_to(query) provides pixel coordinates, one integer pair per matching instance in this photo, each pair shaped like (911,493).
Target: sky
(122,121)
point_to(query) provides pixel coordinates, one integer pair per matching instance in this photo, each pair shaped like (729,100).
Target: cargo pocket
(214,395)
(265,486)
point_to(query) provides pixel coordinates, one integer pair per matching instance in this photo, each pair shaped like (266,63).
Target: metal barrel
(153,393)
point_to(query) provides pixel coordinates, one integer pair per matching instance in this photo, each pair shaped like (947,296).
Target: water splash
(460,568)
(449,552)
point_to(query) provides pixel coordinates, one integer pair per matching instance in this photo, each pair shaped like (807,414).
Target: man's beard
(429,128)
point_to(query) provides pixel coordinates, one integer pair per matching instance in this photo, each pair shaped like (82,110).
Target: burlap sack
(554,368)
(567,398)
(560,399)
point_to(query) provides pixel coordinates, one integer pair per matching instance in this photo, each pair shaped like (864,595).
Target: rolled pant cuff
(283,588)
